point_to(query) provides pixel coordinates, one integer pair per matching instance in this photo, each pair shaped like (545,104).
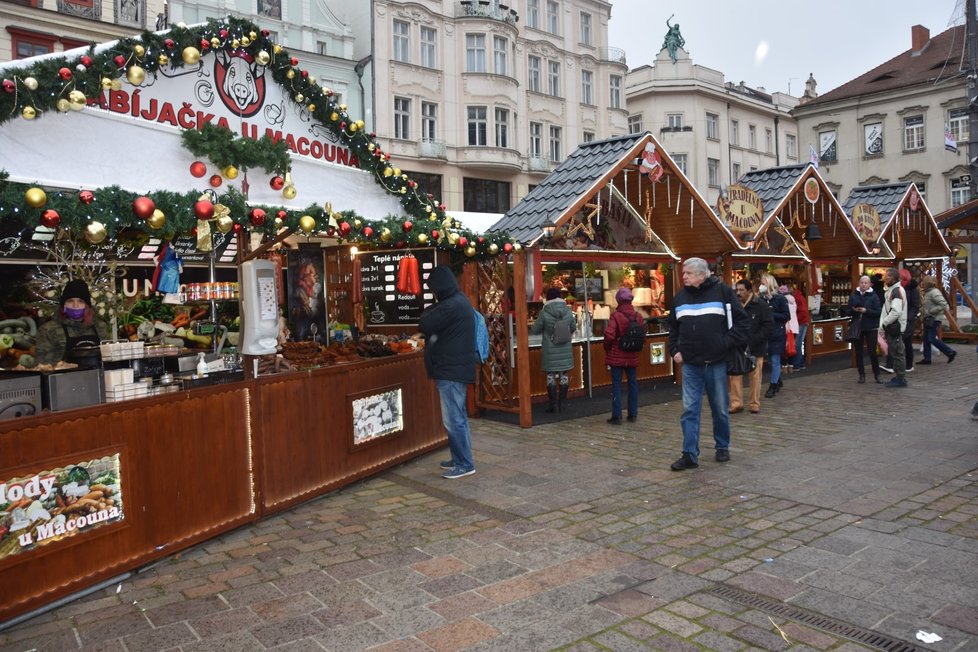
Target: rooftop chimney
(919,37)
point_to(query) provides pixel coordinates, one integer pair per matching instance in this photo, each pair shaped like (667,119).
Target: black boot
(562,397)
(780,384)
(772,389)
(552,398)
(862,377)
(876,376)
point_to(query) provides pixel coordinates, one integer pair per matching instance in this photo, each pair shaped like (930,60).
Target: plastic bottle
(201,365)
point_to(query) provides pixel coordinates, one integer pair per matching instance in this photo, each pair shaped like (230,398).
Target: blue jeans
(799,359)
(930,338)
(456,421)
(632,375)
(711,378)
(775,359)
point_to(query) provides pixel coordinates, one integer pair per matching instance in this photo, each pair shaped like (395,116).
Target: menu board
(385,306)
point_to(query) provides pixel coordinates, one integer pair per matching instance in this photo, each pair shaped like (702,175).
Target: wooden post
(524,399)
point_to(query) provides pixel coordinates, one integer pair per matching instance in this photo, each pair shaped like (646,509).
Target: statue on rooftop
(674,40)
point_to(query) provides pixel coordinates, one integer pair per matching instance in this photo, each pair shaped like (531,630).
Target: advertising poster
(307,303)
(52,505)
(377,415)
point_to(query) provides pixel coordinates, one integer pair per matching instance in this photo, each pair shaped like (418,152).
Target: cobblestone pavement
(847,520)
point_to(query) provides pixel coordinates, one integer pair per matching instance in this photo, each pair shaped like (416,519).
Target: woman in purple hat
(622,361)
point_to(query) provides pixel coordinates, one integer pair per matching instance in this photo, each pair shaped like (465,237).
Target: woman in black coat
(865,307)
(781,315)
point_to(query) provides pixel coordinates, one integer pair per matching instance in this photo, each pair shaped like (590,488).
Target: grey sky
(836,40)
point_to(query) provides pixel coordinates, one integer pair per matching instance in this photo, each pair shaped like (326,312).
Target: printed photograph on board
(377,415)
(307,303)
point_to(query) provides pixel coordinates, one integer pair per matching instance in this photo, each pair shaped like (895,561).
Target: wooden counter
(195,464)
(827,336)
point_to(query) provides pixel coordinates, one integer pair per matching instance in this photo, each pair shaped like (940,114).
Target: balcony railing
(538,164)
(432,149)
(614,55)
(487,9)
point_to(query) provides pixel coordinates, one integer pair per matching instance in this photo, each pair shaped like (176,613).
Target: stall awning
(636,172)
(896,214)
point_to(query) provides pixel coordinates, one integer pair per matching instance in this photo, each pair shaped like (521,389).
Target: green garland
(60,84)
(221,147)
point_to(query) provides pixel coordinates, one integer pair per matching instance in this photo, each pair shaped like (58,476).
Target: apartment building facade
(479,100)
(888,124)
(715,130)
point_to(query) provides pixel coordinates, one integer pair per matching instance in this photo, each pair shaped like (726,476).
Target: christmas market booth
(208,146)
(961,226)
(797,200)
(616,213)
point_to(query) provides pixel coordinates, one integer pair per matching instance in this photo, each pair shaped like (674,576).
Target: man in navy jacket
(706,322)
(450,360)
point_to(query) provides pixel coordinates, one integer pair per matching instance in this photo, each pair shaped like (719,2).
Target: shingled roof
(773,184)
(575,176)
(885,198)
(942,58)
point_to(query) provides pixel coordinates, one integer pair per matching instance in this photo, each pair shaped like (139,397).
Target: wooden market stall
(961,226)
(617,211)
(797,198)
(93,489)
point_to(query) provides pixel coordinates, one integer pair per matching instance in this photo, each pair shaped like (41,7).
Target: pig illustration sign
(240,82)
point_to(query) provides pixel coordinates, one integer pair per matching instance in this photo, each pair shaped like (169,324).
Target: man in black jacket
(706,322)
(450,360)
(761,324)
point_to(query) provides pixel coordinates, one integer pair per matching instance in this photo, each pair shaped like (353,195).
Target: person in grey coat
(556,359)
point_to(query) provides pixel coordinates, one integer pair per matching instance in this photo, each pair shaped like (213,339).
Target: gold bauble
(278,222)
(397,171)
(28,113)
(156,220)
(106,83)
(277,48)
(307,223)
(63,105)
(190,55)
(289,192)
(235,43)
(357,224)
(300,98)
(353,127)
(453,239)
(311,108)
(116,84)
(252,35)
(30,83)
(230,172)
(334,116)
(493,249)
(136,75)
(360,124)
(139,51)
(470,251)
(263,58)
(163,60)
(342,107)
(517,246)
(215,43)
(35,197)
(224,224)
(290,74)
(385,234)
(95,233)
(388,172)
(422,238)
(77,100)
(245,41)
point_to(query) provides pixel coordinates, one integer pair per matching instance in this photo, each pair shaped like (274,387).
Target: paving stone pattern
(855,502)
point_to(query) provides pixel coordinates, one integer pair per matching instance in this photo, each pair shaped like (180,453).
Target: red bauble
(265,33)
(204,210)
(507,247)
(435,235)
(282,215)
(305,74)
(198,169)
(345,228)
(205,44)
(169,43)
(257,217)
(463,241)
(276,182)
(400,244)
(367,231)
(331,231)
(216,180)
(411,184)
(294,61)
(224,33)
(9,86)
(408,226)
(86,196)
(86,61)
(143,207)
(237,228)
(481,240)
(50,218)
(64,73)
(343,125)
(119,60)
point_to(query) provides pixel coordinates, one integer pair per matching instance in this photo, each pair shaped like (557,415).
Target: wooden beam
(524,398)
(265,246)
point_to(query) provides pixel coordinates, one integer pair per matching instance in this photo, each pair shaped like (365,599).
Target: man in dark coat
(761,324)
(706,322)
(450,360)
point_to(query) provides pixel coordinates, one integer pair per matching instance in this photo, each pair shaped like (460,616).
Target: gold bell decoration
(470,251)
(230,172)
(116,84)
(453,238)
(307,223)
(385,234)
(156,220)
(28,113)
(493,249)
(332,216)
(95,233)
(289,191)
(139,51)
(221,212)
(63,105)
(163,60)
(77,100)
(136,75)
(422,238)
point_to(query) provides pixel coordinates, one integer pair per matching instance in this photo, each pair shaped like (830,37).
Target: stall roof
(908,233)
(799,197)
(960,218)
(675,211)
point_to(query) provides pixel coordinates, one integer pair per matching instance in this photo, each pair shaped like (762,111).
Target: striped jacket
(698,326)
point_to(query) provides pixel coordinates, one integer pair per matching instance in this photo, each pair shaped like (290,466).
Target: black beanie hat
(76,289)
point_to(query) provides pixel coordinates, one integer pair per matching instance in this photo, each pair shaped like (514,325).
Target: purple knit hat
(623,295)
